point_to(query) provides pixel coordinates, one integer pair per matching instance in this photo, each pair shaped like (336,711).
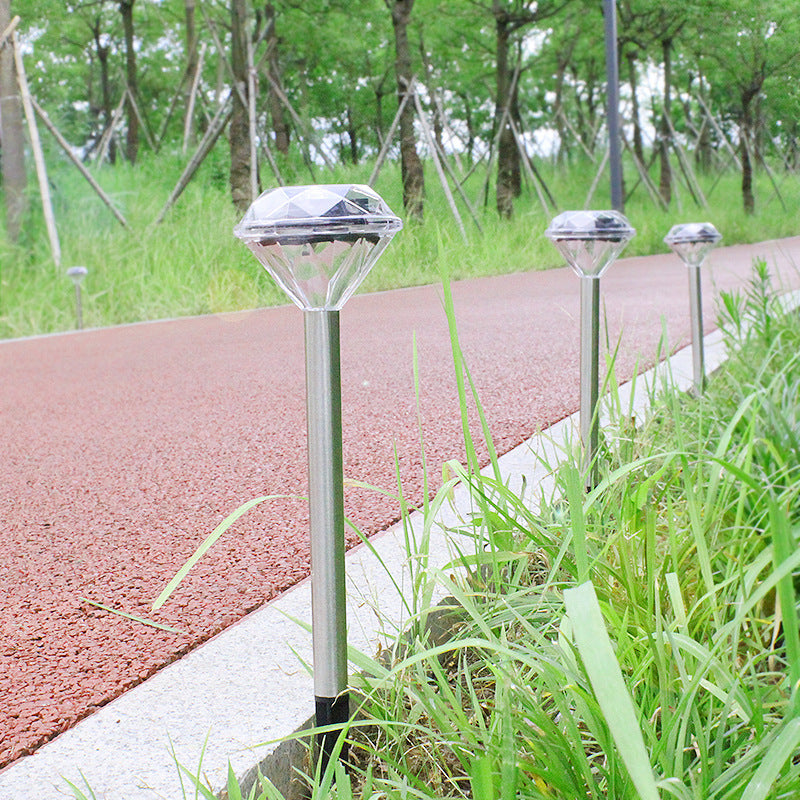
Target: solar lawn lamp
(318,243)
(78,274)
(693,241)
(590,242)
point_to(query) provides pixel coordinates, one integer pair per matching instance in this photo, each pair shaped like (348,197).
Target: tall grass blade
(77,793)
(605,676)
(784,746)
(575,498)
(234,790)
(481,778)
(783,545)
(206,544)
(143,620)
(676,599)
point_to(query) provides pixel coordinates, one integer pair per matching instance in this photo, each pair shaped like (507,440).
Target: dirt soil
(123,448)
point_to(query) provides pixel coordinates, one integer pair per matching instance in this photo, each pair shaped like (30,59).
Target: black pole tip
(331,711)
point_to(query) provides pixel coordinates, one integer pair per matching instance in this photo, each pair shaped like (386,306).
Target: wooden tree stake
(760,159)
(77,162)
(142,122)
(187,124)
(171,109)
(211,135)
(272,163)
(533,173)
(432,145)
(251,119)
(644,178)
(387,142)
(593,187)
(495,143)
(460,190)
(105,139)
(6,34)
(571,129)
(691,181)
(298,121)
(454,179)
(719,131)
(38,155)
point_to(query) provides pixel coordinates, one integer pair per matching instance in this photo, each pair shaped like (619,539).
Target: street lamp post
(590,242)
(612,104)
(78,274)
(692,242)
(318,243)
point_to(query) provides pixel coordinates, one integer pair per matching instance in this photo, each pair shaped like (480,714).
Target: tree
(102,45)
(132,136)
(653,25)
(636,35)
(753,44)
(280,126)
(81,56)
(410,163)
(192,56)
(13,143)
(510,18)
(239,129)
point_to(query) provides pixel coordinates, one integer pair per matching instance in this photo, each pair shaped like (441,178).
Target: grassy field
(191,264)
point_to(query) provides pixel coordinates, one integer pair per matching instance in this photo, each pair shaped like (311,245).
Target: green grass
(191,264)
(637,641)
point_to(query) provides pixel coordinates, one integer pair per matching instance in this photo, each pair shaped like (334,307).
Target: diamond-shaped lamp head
(77,274)
(590,240)
(318,242)
(693,241)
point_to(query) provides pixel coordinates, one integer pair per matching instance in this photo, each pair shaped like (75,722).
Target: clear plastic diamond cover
(318,242)
(77,273)
(590,240)
(693,241)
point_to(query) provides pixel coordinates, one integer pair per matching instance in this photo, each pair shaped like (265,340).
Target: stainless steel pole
(590,352)
(326,504)
(612,109)
(696,312)
(78,306)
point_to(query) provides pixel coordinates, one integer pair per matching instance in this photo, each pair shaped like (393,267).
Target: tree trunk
(759,130)
(352,135)
(103,51)
(379,115)
(564,144)
(438,122)
(132,140)
(11,135)
(793,148)
(239,130)
(410,164)
(588,126)
(472,134)
(277,112)
(509,179)
(702,158)
(633,80)
(665,179)
(192,58)
(748,198)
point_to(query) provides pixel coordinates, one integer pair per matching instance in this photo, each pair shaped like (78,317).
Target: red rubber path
(122,448)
